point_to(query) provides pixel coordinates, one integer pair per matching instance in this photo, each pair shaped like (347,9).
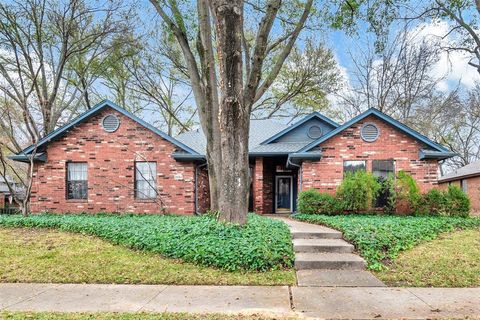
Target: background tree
(397,81)
(39,41)
(308,76)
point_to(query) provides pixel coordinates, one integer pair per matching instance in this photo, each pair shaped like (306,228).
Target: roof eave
(426,154)
(91,112)
(299,123)
(384,117)
(187,157)
(458,177)
(26,158)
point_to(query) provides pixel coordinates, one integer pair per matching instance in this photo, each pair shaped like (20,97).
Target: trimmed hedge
(357,191)
(312,201)
(262,244)
(381,238)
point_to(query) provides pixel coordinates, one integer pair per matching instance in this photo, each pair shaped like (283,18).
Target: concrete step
(337,278)
(333,234)
(322,245)
(331,261)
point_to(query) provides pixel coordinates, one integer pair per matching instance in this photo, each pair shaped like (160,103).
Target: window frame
(464,185)
(139,196)
(346,172)
(384,160)
(68,182)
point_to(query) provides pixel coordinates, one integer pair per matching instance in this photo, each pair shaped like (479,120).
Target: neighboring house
(467,178)
(108,160)
(5,194)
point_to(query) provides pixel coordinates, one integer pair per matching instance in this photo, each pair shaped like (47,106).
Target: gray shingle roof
(468,170)
(260,130)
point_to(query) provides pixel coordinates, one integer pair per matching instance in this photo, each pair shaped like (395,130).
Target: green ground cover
(380,238)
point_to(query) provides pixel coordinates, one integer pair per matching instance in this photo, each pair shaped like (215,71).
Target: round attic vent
(110,123)
(314,132)
(369,132)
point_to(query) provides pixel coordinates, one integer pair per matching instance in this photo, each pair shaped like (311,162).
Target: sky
(453,66)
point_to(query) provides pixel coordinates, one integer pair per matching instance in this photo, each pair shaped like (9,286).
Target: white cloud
(454,65)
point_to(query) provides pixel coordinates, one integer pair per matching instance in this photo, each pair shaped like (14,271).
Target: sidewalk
(316,302)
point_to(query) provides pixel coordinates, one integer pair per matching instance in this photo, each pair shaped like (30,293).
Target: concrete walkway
(310,302)
(324,259)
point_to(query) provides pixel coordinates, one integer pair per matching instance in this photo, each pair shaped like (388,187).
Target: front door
(283,194)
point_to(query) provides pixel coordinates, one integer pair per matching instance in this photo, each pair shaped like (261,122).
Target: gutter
(299,157)
(39,157)
(187,157)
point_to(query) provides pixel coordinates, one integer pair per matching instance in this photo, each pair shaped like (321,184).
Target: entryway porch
(274,186)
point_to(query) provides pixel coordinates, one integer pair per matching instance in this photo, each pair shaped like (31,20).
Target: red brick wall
(111,165)
(327,173)
(2,200)
(473,192)
(263,185)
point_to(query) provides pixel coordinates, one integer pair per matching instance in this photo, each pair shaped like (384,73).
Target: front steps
(323,248)
(324,259)
(322,245)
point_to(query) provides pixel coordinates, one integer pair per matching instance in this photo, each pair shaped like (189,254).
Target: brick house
(467,178)
(109,160)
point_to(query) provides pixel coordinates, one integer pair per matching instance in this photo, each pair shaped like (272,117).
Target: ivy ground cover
(379,239)
(262,244)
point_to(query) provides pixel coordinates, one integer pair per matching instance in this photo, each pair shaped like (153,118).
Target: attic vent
(369,132)
(110,123)
(314,132)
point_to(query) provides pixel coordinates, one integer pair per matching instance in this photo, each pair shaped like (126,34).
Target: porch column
(258,190)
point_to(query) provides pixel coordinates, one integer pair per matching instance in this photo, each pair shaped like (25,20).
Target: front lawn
(262,244)
(379,239)
(452,260)
(52,256)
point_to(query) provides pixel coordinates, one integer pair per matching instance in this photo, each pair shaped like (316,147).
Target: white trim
(291,191)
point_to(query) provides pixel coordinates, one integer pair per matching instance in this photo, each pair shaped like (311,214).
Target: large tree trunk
(233,116)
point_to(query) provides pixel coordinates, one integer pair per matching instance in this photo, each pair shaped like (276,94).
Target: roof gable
(89,113)
(394,123)
(298,124)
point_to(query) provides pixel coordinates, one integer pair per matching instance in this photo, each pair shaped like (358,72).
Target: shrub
(381,238)
(407,193)
(357,191)
(313,201)
(387,190)
(262,244)
(432,203)
(457,202)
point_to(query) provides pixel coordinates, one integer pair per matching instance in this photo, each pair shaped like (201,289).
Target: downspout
(196,187)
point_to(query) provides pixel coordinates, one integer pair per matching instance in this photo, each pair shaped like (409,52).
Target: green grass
(452,260)
(128,316)
(52,256)
(262,244)
(379,239)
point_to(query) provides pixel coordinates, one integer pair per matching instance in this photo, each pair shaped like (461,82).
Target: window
(383,168)
(464,185)
(369,132)
(352,166)
(77,180)
(145,180)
